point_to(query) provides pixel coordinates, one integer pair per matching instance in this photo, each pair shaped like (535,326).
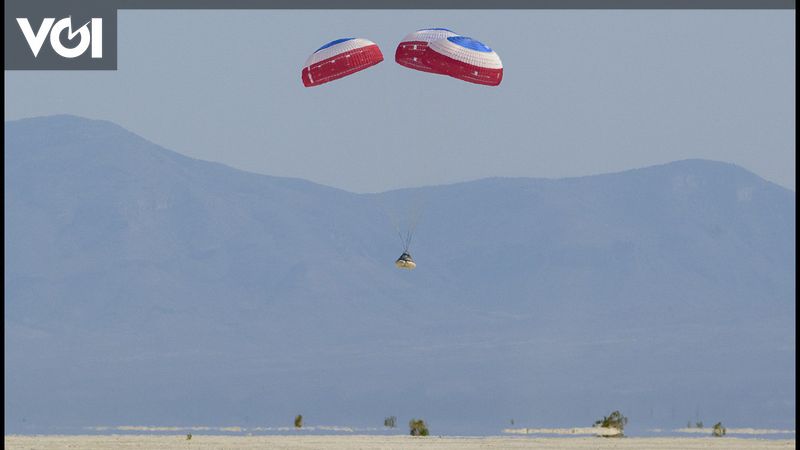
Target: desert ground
(198,442)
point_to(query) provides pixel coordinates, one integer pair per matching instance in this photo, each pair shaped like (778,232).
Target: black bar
(456,4)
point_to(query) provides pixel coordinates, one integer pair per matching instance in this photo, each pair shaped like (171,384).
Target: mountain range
(144,287)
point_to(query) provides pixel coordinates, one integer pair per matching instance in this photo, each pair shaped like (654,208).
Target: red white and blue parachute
(464,58)
(410,50)
(338,59)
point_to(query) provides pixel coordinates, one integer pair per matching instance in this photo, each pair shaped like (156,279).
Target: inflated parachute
(338,59)
(410,50)
(464,58)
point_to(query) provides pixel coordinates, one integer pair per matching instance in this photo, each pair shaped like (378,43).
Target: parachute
(338,59)
(410,50)
(464,58)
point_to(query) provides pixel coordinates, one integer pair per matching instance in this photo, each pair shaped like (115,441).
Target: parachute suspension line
(405,226)
(403,237)
(402,240)
(396,223)
(407,243)
(412,226)
(409,237)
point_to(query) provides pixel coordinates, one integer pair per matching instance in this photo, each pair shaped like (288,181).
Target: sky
(583,92)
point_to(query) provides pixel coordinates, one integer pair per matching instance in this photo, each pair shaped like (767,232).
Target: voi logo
(88,37)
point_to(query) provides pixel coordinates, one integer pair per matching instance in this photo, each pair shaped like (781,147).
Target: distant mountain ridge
(144,287)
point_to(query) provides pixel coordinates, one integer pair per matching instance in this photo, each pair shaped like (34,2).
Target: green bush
(718,430)
(298,421)
(418,427)
(613,420)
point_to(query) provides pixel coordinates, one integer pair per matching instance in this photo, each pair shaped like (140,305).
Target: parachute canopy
(410,50)
(405,262)
(464,58)
(338,59)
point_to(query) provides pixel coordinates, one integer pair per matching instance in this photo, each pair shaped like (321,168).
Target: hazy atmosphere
(603,244)
(584,92)
(147,288)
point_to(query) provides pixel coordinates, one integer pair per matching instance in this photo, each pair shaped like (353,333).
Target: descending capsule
(466,59)
(338,59)
(405,262)
(410,50)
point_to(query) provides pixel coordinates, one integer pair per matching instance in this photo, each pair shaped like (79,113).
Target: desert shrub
(189,437)
(298,421)
(613,420)
(418,427)
(718,430)
(390,422)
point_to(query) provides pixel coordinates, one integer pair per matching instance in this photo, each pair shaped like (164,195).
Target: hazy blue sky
(583,92)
